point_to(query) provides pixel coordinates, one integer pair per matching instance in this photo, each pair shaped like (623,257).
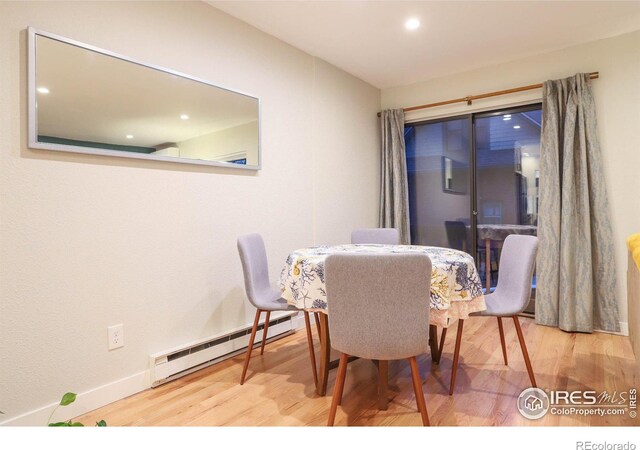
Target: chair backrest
(517,262)
(456,234)
(379,304)
(255,267)
(387,236)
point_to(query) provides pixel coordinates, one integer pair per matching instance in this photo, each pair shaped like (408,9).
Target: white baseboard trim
(297,322)
(624,330)
(85,402)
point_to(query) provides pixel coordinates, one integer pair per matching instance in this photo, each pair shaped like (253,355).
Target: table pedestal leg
(436,349)
(325,354)
(433,343)
(442,337)
(487,265)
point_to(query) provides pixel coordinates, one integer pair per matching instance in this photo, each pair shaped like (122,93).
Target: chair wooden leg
(417,387)
(340,396)
(456,355)
(349,359)
(312,353)
(504,346)
(250,347)
(383,385)
(338,388)
(264,332)
(316,315)
(523,346)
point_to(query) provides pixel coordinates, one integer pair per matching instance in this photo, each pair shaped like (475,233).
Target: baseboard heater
(180,361)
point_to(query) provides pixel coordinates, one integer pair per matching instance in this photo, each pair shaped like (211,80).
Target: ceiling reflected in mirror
(90,100)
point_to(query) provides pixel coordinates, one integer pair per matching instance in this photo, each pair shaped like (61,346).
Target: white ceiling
(368,38)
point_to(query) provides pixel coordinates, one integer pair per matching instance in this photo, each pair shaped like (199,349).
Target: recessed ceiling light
(412,24)
(129,136)
(506,117)
(43,90)
(184,116)
(516,127)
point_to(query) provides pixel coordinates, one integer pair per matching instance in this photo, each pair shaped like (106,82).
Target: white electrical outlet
(116,336)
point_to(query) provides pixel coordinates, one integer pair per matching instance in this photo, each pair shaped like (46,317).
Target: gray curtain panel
(394,191)
(576,277)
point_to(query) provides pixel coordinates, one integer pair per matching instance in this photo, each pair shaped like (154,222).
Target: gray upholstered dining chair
(379,310)
(264,297)
(510,297)
(386,236)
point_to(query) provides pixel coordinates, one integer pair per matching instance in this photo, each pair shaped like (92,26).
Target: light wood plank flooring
(279,388)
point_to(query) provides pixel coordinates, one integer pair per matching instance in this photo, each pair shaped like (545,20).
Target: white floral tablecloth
(456,288)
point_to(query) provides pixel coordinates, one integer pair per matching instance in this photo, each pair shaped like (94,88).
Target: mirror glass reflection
(87,101)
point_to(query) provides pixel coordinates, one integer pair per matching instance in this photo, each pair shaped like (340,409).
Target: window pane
(439,187)
(507,173)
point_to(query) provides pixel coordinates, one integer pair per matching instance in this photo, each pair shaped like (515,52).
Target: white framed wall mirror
(84,99)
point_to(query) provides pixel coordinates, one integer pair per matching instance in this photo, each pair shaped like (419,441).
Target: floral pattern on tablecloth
(454,277)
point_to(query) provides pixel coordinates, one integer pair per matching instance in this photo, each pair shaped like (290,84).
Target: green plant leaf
(102,423)
(76,424)
(67,399)
(60,424)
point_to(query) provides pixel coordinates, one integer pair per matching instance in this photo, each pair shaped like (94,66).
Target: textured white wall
(341,148)
(87,242)
(224,145)
(617,97)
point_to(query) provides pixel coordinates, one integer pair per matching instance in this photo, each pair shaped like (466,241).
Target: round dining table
(456,290)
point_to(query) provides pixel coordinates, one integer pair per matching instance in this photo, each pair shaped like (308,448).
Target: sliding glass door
(473,180)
